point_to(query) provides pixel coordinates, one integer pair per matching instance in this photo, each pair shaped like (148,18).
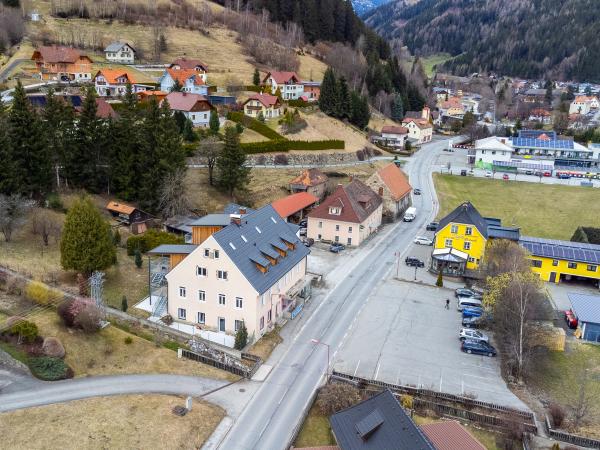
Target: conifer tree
(328,96)
(256,78)
(397,108)
(188,131)
(231,164)
(213,122)
(241,337)
(10,181)
(343,99)
(86,244)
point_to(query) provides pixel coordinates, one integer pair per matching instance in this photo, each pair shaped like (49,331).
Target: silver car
(470,333)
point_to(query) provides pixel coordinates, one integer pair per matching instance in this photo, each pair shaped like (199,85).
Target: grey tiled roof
(234,208)
(467,214)
(586,306)
(245,251)
(165,249)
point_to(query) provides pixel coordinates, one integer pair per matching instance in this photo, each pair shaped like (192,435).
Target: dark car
(472,311)
(303,223)
(563,176)
(414,262)
(464,292)
(308,241)
(336,247)
(472,322)
(477,347)
(432,226)
(417,191)
(463,173)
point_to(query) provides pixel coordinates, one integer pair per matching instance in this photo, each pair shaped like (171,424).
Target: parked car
(471,173)
(472,322)
(422,240)
(563,176)
(571,319)
(308,241)
(414,262)
(432,226)
(417,191)
(547,174)
(467,302)
(476,335)
(303,223)
(505,177)
(336,247)
(302,231)
(465,292)
(463,173)
(472,311)
(477,347)
(488,174)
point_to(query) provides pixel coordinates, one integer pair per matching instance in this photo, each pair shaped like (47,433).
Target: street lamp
(316,341)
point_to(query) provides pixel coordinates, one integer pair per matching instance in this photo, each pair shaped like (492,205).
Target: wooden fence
(571,438)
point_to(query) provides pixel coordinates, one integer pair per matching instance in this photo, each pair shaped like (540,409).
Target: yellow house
(562,260)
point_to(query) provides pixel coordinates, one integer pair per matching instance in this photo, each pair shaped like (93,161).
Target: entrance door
(552,277)
(222,324)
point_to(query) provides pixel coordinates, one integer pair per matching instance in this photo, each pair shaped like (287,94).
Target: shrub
(281,160)
(54,202)
(70,309)
(168,319)
(25,330)
(49,368)
(40,293)
(12,320)
(53,347)
(557,413)
(124,304)
(138,258)
(335,397)
(406,401)
(117,237)
(440,280)
(128,340)
(89,319)
(283,145)
(151,239)
(298,103)
(171,345)
(254,125)
(241,337)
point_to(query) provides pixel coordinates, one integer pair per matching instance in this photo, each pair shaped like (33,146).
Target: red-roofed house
(269,105)
(147,95)
(294,207)
(392,185)
(348,216)
(62,63)
(190,64)
(394,136)
(113,82)
(312,181)
(450,435)
(288,83)
(193,106)
(540,115)
(420,130)
(189,81)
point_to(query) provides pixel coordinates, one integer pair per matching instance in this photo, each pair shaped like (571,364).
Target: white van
(410,214)
(465,302)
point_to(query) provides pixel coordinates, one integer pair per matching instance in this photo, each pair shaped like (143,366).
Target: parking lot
(405,335)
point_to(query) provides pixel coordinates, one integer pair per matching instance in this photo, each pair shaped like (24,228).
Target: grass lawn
(106,352)
(430,61)
(122,422)
(265,345)
(542,210)
(315,431)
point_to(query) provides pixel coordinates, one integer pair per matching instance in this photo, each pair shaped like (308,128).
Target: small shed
(127,214)
(587,310)
(294,207)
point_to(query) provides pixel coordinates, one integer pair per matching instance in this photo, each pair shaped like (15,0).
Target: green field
(430,61)
(542,210)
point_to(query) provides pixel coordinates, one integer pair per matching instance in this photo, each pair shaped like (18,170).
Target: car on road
(488,174)
(414,262)
(417,191)
(449,149)
(571,319)
(467,302)
(505,177)
(302,231)
(308,241)
(336,247)
(477,347)
(563,176)
(472,322)
(465,292)
(422,240)
(432,226)
(472,311)
(303,223)
(470,333)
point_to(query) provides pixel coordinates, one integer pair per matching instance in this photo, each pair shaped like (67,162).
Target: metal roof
(585,306)
(213,220)
(565,250)
(500,232)
(116,46)
(234,208)
(261,230)
(169,249)
(378,423)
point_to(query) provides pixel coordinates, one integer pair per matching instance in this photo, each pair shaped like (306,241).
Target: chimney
(242,210)
(381,191)
(236,219)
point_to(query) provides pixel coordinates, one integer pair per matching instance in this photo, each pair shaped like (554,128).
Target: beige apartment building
(347,216)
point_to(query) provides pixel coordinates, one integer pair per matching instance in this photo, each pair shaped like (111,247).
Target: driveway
(45,393)
(405,335)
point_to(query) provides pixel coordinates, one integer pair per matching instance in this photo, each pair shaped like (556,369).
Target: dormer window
(335,210)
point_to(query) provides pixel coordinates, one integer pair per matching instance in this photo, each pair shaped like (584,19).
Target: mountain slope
(528,38)
(361,7)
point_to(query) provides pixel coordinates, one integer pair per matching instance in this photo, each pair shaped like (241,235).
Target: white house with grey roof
(249,270)
(120,52)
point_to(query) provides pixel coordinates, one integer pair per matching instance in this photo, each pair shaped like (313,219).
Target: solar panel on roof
(369,424)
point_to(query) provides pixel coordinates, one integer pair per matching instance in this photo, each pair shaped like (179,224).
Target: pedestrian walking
(447,303)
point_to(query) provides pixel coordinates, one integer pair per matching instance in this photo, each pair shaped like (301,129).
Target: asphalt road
(272,417)
(6,70)
(45,393)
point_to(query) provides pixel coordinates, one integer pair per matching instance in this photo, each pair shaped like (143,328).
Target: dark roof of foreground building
(379,423)
(466,213)
(259,237)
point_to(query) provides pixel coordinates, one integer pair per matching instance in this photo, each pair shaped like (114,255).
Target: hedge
(254,125)
(299,103)
(283,145)
(151,239)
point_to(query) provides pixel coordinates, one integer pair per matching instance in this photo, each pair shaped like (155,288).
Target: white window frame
(182,292)
(181,313)
(201,295)
(454,229)
(237,324)
(201,271)
(239,303)
(467,245)
(222,275)
(203,321)
(469,231)
(448,243)
(222,298)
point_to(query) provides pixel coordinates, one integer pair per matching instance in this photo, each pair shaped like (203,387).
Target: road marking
(356,370)
(377,370)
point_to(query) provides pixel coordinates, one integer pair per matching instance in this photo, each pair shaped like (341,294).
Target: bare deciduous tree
(13,213)
(208,151)
(586,399)
(45,224)
(502,256)
(173,200)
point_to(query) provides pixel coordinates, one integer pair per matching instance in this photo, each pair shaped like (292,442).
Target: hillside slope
(533,38)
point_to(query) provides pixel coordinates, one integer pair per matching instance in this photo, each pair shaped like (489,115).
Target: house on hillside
(288,83)
(248,269)
(113,82)
(583,104)
(127,214)
(349,215)
(190,64)
(392,136)
(540,115)
(193,106)
(120,52)
(378,423)
(393,187)
(269,105)
(419,130)
(145,96)
(312,91)
(452,107)
(104,110)
(312,181)
(293,208)
(62,64)
(189,81)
